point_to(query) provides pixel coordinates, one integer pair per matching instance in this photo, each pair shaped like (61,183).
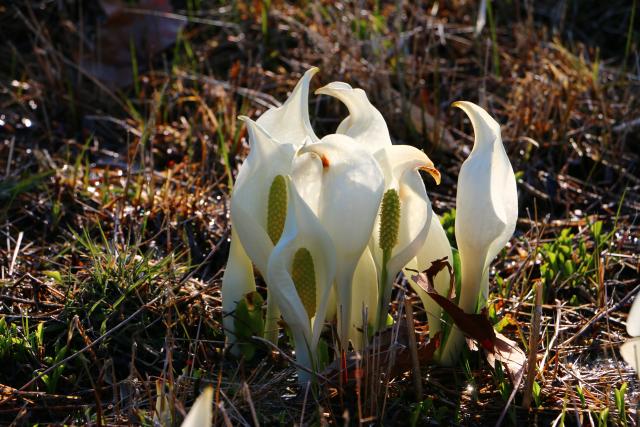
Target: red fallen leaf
(475,326)
(147,27)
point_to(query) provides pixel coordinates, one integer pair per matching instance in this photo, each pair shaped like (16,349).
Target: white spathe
(364,298)
(630,350)
(400,165)
(237,281)
(250,203)
(201,413)
(365,124)
(435,247)
(302,229)
(486,205)
(289,123)
(351,187)
(486,214)
(250,198)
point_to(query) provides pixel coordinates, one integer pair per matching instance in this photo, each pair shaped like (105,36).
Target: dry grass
(114,203)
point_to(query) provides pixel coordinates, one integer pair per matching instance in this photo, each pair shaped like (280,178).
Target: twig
(247,396)
(533,347)
(222,239)
(553,340)
(225,417)
(11,146)
(511,397)
(600,315)
(290,359)
(413,348)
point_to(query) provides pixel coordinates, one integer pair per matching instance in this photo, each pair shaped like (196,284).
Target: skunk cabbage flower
(486,214)
(274,137)
(630,350)
(237,281)
(258,210)
(435,247)
(350,189)
(405,214)
(258,201)
(486,205)
(403,223)
(300,275)
(200,414)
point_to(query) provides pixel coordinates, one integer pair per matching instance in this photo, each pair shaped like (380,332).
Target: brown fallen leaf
(475,326)
(508,352)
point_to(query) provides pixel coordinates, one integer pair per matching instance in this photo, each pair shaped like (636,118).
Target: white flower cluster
(329,223)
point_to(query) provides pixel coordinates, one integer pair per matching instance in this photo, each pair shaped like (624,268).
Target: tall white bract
(486,215)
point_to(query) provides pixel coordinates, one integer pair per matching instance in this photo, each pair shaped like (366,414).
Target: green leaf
(55,275)
(249,322)
(536,393)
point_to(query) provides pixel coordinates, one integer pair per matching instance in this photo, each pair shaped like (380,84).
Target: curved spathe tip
(435,173)
(333,87)
(400,158)
(201,413)
(485,128)
(289,123)
(306,79)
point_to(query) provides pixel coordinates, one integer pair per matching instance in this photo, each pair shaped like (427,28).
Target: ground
(119,142)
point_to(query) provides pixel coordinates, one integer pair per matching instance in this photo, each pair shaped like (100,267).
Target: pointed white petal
(302,230)
(250,197)
(435,247)
(237,281)
(365,123)
(365,297)
(486,215)
(201,412)
(289,123)
(486,204)
(352,186)
(250,200)
(633,321)
(630,352)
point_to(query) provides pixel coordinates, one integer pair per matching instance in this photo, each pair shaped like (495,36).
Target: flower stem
(271,321)
(383,299)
